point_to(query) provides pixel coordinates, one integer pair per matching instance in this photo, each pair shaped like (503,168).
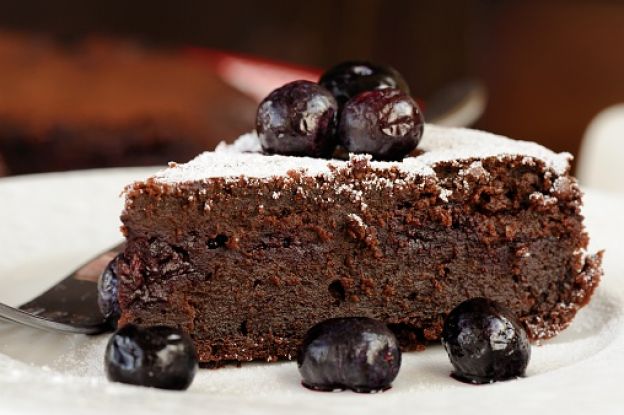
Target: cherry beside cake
(247,247)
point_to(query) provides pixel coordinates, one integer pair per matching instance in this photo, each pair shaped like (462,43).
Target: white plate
(50,223)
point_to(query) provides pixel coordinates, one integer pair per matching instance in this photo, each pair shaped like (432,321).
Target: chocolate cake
(246,251)
(100,102)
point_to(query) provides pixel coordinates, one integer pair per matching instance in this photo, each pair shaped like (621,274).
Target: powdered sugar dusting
(440,144)
(357,219)
(246,143)
(445,194)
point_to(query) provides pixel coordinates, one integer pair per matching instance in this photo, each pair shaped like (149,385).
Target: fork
(70,306)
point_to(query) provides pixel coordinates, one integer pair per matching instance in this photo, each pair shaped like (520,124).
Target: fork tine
(13,315)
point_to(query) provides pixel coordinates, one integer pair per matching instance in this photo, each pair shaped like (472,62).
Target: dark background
(549,66)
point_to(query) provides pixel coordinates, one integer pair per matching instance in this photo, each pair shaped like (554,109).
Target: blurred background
(110,83)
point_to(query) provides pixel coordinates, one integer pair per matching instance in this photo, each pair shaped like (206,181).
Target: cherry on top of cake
(362,107)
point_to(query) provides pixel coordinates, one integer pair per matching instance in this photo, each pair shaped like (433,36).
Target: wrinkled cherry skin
(159,357)
(386,123)
(485,342)
(298,119)
(108,287)
(348,79)
(356,353)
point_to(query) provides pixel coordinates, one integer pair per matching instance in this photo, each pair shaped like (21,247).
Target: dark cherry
(108,285)
(386,123)
(485,342)
(158,356)
(356,353)
(298,119)
(349,79)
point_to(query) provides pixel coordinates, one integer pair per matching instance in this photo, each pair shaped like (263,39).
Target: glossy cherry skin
(356,353)
(159,356)
(108,287)
(298,119)
(485,342)
(348,79)
(386,123)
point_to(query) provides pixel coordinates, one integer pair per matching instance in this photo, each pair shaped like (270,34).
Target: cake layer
(247,261)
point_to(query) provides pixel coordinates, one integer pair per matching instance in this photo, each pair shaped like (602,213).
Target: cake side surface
(247,262)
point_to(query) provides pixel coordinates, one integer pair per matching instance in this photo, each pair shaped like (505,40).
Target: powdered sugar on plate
(439,144)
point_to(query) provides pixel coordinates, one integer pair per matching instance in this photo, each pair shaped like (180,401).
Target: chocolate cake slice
(247,251)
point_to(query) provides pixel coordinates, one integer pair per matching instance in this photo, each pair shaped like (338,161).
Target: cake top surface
(438,145)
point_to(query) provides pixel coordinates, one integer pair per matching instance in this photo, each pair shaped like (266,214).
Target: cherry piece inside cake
(247,251)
